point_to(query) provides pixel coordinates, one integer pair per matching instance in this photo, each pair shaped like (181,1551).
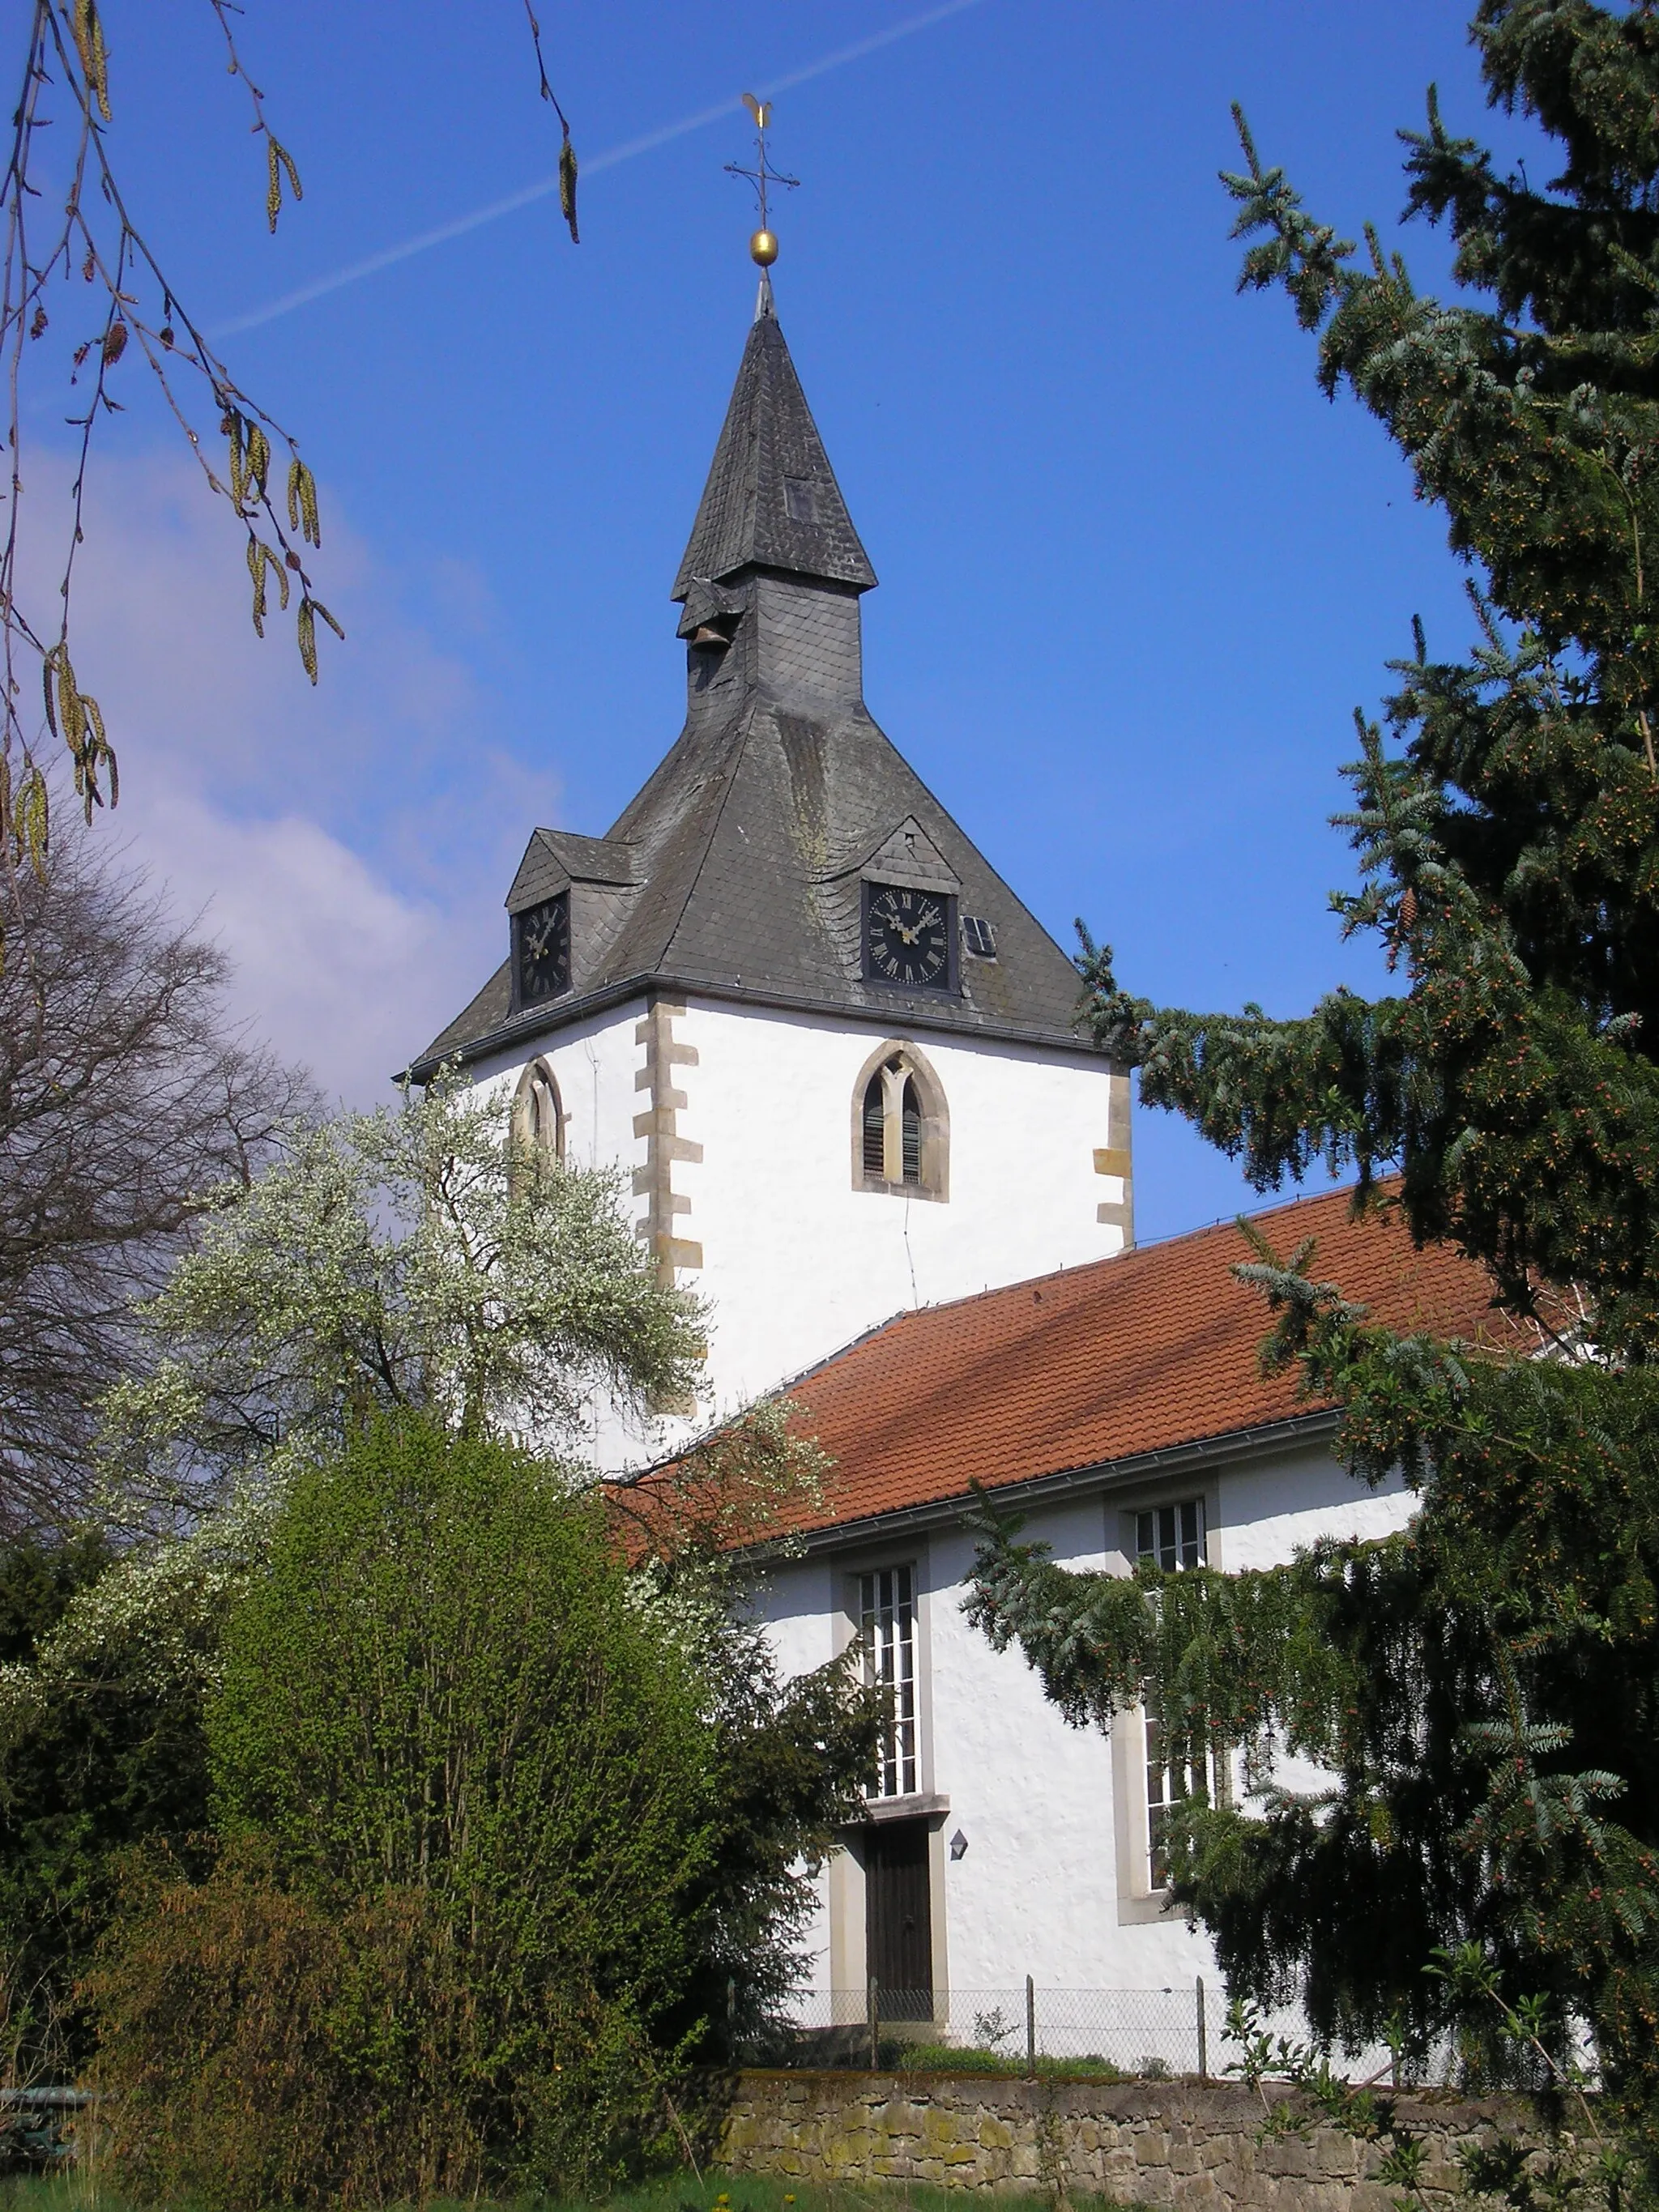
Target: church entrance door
(899,1919)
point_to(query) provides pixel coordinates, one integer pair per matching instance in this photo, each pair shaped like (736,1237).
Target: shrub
(85,1771)
(265,2046)
(979,2059)
(439,1683)
(468,1794)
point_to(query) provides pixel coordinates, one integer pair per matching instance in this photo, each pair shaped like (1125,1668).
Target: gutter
(524,1026)
(1099,1477)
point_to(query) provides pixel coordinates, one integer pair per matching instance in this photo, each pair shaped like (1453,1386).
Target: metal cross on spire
(763,245)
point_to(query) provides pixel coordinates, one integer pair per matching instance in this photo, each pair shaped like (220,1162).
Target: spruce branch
(1306,257)
(1480,1689)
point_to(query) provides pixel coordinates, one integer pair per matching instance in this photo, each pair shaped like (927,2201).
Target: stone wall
(1186,2144)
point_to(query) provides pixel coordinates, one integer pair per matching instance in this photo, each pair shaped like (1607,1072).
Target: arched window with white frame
(901,1126)
(538,1117)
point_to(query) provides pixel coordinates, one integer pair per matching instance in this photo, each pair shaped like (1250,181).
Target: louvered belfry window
(887,1629)
(910,1116)
(901,1126)
(875,1127)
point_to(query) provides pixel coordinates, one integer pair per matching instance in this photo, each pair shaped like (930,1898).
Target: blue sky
(1136,573)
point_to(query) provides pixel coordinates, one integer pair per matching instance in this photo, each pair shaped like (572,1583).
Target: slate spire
(771,501)
(738,869)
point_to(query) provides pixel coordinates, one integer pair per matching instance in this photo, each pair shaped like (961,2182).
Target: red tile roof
(1123,1357)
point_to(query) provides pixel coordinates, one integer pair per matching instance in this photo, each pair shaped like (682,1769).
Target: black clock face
(907,937)
(543,934)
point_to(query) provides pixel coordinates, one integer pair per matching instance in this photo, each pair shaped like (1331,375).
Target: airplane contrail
(389,256)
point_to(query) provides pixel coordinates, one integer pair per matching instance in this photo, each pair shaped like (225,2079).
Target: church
(831,1047)
(836,1057)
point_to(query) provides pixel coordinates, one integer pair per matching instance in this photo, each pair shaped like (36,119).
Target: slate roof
(750,841)
(1148,1353)
(554,859)
(736,870)
(771,499)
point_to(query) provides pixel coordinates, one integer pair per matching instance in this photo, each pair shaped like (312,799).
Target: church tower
(829,1047)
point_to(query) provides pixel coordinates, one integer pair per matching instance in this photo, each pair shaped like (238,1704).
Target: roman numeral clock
(783,997)
(541,950)
(910,937)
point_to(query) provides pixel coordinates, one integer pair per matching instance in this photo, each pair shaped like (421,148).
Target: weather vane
(763,245)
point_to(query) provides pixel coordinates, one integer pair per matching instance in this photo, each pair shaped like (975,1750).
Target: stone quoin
(783,904)
(836,1061)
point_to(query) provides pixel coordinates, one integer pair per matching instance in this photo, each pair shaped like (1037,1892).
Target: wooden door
(898,1918)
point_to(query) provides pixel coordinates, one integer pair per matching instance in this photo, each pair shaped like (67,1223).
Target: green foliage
(416,1259)
(502,1826)
(1507,2168)
(81,1780)
(974,2058)
(418,1267)
(1483,1691)
(410,1259)
(261,2045)
(788,1763)
(1359,2113)
(437,1682)
(418,1256)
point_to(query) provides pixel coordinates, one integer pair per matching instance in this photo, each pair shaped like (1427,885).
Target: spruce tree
(1484,1689)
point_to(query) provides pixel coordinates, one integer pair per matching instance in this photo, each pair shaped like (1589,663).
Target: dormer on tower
(783,855)
(772,575)
(831,1053)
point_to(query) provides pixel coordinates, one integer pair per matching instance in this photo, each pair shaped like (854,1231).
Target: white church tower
(829,1047)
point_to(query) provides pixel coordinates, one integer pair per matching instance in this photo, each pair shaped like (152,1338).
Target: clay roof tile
(1122,1357)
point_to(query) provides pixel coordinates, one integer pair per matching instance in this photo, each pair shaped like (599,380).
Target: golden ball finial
(763,248)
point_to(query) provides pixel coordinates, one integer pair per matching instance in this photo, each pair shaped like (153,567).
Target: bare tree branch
(77,229)
(80,231)
(124,1093)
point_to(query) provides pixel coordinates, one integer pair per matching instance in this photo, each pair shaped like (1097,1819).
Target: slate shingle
(771,499)
(738,865)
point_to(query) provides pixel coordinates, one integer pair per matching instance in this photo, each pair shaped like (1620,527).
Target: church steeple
(771,501)
(741,866)
(786,937)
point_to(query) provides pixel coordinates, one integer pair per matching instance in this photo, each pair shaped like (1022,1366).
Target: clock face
(542,938)
(907,937)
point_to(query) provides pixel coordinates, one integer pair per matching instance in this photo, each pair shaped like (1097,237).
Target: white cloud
(336,968)
(348,845)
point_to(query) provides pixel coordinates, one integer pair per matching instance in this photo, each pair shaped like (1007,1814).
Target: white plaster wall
(1271,1506)
(1037,1890)
(795,1260)
(801,1606)
(594,1063)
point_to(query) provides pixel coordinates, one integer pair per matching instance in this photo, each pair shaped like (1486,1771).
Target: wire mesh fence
(1145,2034)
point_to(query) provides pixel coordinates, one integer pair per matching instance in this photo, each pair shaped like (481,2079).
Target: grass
(757,2193)
(959,2058)
(675,2193)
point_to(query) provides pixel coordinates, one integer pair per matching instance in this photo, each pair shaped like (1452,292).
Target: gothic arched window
(901,1127)
(875,1126)
(538,1115)
(910,1131)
